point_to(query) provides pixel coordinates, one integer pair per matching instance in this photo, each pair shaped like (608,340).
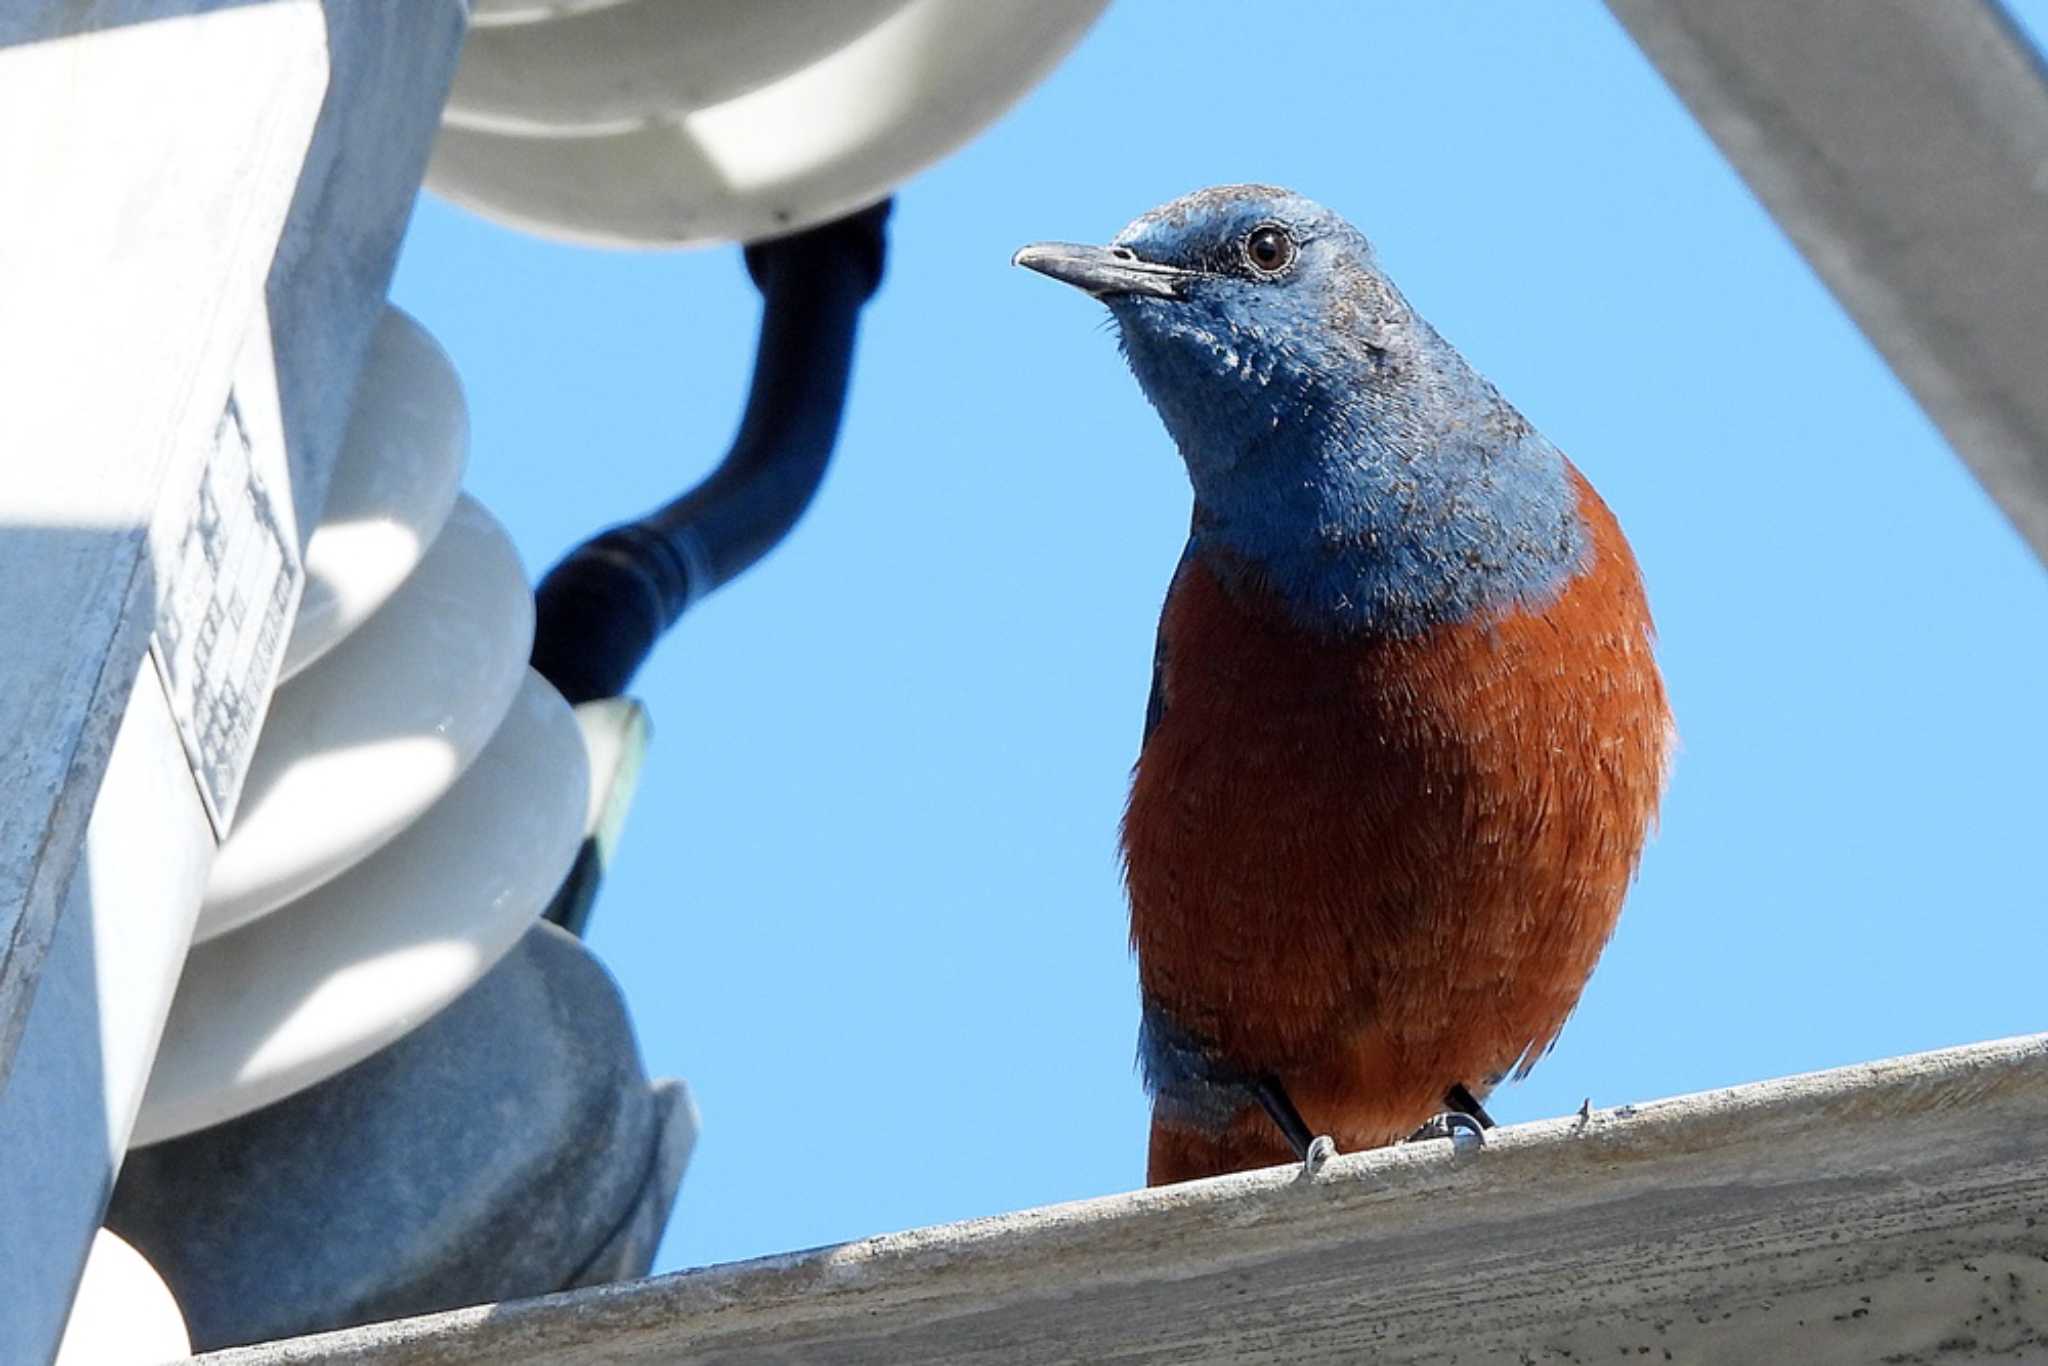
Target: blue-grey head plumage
(1344,457)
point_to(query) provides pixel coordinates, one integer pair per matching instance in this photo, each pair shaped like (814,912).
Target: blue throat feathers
(1344,456)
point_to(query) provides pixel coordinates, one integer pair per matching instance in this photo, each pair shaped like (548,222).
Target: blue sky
(867,902)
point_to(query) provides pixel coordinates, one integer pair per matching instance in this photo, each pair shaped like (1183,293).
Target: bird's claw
(1320,1150)
(1447,1125)
(1454,1122)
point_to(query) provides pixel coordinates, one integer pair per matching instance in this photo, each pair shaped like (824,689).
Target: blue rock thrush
(1406,734)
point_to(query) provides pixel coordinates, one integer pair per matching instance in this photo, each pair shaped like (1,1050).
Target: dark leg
(1274,1100)
(1459,1100)
(1462,1110)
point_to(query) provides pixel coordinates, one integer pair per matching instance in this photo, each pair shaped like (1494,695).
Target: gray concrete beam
(1889,1211)
(1903,146)
(204,203)
(148,168)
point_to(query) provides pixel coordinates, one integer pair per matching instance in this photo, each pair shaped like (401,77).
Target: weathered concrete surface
(392,64)
(1895,1211)
(100,1005)
(156,148)
(159,150)
(1903,146)
(217,189)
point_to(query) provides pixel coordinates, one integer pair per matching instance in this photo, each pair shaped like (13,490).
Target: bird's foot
(1320,1150)
(1448,1125)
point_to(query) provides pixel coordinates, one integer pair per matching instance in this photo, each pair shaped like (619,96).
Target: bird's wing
(1155,704)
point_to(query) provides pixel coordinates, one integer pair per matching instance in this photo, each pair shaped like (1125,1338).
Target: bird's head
(1341,451)
(1236,305)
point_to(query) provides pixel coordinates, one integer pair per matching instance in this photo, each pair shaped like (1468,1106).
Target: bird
(1406,736)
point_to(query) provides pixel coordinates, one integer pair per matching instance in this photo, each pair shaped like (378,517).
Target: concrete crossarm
(201,203)
(1893,1211)
(1901,145)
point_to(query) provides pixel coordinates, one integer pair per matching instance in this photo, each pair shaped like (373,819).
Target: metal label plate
(223,613)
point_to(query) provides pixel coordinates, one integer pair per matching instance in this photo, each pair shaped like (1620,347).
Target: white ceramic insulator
(123,1313)
(660,123)
(385,502)
(418,792)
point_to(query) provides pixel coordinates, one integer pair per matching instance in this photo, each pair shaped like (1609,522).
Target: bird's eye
(1269,249)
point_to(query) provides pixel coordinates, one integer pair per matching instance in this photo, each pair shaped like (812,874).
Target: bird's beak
(1102,271)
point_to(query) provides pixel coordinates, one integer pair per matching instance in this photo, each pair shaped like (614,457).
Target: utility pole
(203,201)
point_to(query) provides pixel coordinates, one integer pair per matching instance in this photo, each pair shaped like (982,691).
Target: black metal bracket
(600,611)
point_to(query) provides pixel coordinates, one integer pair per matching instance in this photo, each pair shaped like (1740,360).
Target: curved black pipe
(600,611)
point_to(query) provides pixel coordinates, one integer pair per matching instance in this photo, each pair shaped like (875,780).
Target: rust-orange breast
(1380,867)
